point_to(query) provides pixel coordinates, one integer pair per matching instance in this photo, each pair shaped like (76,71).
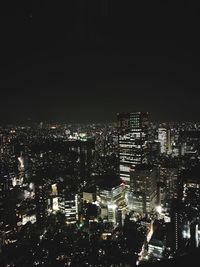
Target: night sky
(87,60)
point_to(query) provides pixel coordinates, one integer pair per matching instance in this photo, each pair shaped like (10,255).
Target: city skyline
(100,194)
(99,133)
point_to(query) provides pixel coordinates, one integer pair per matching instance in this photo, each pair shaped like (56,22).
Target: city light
(159,209)
(80,188)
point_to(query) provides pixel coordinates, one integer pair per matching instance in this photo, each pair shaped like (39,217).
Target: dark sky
(87,60)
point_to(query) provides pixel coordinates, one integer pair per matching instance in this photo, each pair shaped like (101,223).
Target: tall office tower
(132,136)
(68,201)
(111,198)
(168,183)
(81,151)
(69,206)
(164,137)
(143,189)
(41,199)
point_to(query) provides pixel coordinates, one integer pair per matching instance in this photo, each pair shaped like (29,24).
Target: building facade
(132,137)
(143,188)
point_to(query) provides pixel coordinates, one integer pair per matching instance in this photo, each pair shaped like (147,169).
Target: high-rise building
(143,188)
(69,207)
(110,193)
(132,136)
(83,150)
(168,186)
(41,198)
(164,137)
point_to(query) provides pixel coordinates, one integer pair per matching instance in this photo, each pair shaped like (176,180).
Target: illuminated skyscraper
(69,207)
(41,199)
(143,188)
(164,137)
(132,136)
(110,194)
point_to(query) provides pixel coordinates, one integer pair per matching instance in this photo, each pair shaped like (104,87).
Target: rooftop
(107,182)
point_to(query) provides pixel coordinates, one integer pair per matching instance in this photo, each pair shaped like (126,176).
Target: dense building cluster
(120,194)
